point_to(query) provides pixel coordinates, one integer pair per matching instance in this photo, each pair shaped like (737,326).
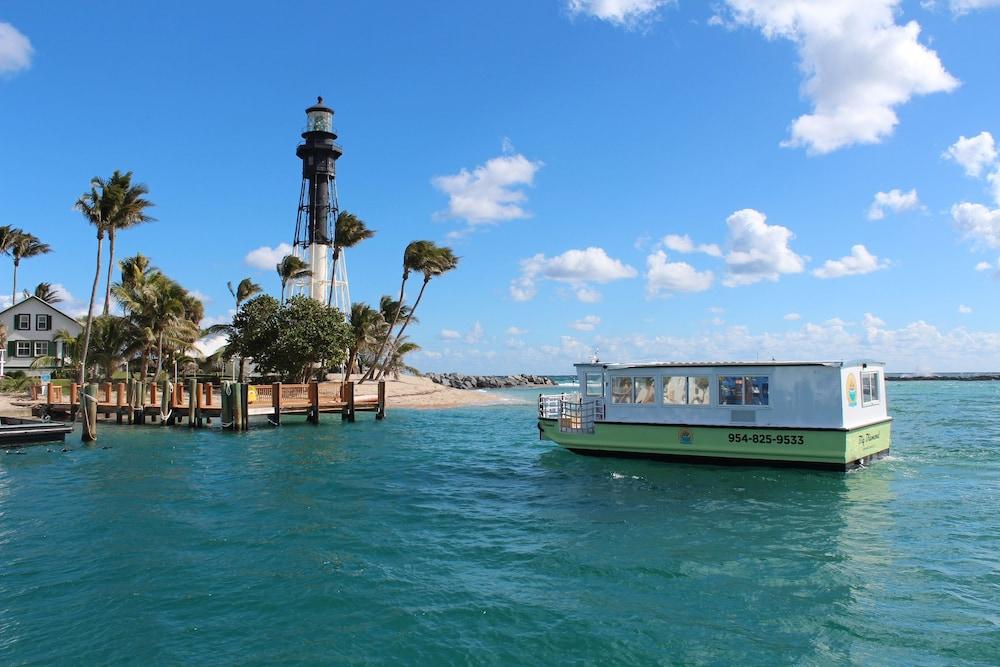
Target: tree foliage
(288,340)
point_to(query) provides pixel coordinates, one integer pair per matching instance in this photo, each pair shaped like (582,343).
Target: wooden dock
(198,403)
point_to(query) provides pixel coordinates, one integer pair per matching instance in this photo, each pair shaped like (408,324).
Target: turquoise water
(456,537)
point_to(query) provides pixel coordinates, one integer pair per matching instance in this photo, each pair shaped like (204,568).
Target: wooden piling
(74,400)
(313,416)
(380,410)
(199,404)
(192,401)
(276,402)
(347,413)
(90,413)
(165,403)
(237,401)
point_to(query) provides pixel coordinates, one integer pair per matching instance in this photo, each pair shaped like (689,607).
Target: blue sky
(651,179)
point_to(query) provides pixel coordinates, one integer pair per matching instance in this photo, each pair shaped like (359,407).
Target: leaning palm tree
(415,256)
(366,326)
(291,268)
(437,261)
(130,210)
(96,207)
(246,289)
(25,245)
(46,293)
(7,236)
(395,364)
(349,230)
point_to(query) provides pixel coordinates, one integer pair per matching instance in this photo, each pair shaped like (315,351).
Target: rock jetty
(459,381)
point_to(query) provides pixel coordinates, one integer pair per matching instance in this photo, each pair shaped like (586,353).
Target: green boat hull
(838,449)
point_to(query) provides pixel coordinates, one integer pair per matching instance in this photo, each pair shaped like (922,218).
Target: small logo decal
(852,390)
(685,437)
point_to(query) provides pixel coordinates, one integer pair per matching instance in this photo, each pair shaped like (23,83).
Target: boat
(16,432)
(810,414)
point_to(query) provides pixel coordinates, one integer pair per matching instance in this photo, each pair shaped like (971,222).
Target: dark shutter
(11,348)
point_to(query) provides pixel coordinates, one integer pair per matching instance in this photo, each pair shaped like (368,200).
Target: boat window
(645,389)
(595,384)
(621,390)
(698,390)
(869,388)
(675,390)
(730,390)
(756,388)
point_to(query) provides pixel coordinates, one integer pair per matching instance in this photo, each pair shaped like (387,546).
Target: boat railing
(575,413)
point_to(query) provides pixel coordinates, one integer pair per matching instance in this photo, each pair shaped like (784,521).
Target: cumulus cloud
(977,224)
(965,6)
(985,266)
(758,251)
(964,310)
(895,201)
(858,64)
(588,323)
(475,334)
(973,154)
(870,321)
(577,268)
(449,334)
(684,244)
(490,193)
(859,262)
(15,50)
(793,317)
(664,276)
(266,258)
(516,331)
(624,13)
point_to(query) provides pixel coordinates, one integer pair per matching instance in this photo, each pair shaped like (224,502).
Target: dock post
(380,410)
(90,413)
(347,413)
(225,406)
(192,401)
(141,391)
(50,395)
(165,403)
(276,402)
(120,400)
(245,405)
(74,400)
(152,398)
(236,399)
(313,416)
(209,397)
(199,404)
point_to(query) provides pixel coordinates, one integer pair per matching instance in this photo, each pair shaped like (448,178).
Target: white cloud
(578,268)
(894,200)
(201,296)
(793,317)
(625,13)
(266,258)
(587,294)
(716,310)
(669,277)
(859,262)
(489,193)
(964,310)
(965,6)
(858,64)
(588,323)
(15,50)
(684,244)
(985,266)
(977,224)
(516,331)
(475,334)
(994,181)
(758,251)
(449,334)
(973,154)
(870,321)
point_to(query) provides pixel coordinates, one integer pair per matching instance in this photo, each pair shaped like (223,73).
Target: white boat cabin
(835,395)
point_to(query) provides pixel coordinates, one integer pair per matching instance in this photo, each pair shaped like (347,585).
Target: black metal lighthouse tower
(318,208)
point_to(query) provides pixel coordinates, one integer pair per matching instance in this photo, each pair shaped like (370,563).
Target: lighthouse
(318,208)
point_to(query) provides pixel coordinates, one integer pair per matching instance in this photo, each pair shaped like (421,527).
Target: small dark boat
(17,431)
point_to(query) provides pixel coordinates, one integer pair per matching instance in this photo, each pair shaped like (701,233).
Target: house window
(869,388)
(744,390)
(22,322)
(595,384)
(645,389)
(23,348)
(41,348)
(43,322)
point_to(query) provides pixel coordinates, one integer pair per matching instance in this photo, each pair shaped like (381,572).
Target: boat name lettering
(767,438)
(867,437)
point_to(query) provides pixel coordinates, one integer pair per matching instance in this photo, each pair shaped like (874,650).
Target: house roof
(41,301)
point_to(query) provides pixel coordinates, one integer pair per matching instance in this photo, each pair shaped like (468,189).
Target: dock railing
(575,413)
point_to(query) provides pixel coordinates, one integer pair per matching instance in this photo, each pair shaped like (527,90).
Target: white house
(32,327)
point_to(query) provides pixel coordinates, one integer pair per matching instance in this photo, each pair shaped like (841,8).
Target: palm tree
(96,207)
(163,313)
(389,308)
(395,365)
(129,211)
(367,325)
(291,268)
(45,292)
(436,261)
(415,256)
(7,236)
(24,245)
(114,341)
(349,230)
(246,289)
(135,270)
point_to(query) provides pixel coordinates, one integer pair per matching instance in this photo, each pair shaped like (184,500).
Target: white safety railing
(575,414)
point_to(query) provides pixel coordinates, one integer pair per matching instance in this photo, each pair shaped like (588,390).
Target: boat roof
(728,364)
